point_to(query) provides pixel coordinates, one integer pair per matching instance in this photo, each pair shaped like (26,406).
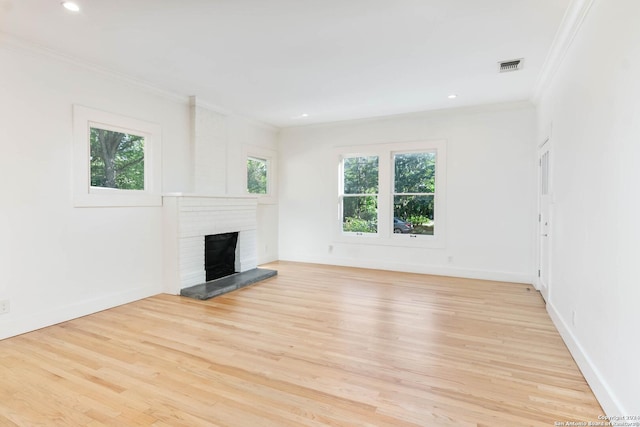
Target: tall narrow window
(414,193)
(544,174)
(257,170)
(116,159)
(360,194)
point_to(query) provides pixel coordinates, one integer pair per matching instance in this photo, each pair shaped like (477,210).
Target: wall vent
(510,65)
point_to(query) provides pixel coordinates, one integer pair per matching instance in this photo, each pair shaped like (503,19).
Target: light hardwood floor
(315,346)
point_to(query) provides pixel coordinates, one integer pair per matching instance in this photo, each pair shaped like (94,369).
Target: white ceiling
(273,60)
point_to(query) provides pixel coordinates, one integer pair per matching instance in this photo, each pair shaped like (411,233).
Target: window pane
(413,214)
(361,175)
(256,176)
(544,174)
(117,159)
(415,172)
(360,214)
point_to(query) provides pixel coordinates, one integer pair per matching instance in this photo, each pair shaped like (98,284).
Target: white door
(544,220)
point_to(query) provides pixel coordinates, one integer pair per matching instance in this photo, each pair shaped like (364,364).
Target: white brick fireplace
(188,218)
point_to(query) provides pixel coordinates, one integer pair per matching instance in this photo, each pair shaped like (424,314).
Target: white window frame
(393,191)
(85,195)
(385,235)
(341,194)
(270,157)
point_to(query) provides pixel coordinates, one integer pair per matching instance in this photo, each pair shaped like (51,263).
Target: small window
(116,159)
(360,194)
(414,190)
(544,175)
(257,175)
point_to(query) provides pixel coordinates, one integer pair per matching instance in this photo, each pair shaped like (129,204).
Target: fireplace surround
(187,219)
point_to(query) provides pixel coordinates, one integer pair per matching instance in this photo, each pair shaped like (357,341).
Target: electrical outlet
(450,258)
(330,248)
(4,306)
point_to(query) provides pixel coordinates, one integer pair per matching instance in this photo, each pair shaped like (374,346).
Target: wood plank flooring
(314,346)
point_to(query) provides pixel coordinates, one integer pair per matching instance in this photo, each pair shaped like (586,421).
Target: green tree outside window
(360,194)
(256,176)
(414,190)
(117,159)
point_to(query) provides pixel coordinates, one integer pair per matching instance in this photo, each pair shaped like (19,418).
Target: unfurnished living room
(303,213)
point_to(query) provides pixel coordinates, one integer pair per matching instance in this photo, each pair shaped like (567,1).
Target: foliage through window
(116,159)
(414,192)
(360,194)
(393,192)
(257,176)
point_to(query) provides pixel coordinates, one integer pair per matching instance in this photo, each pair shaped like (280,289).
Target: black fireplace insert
(220,255)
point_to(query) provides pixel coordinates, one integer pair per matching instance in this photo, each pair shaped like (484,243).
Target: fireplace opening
(220,255)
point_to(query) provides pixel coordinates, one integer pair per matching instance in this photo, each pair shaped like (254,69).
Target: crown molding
(442,112)
(23,45)
(196,101)
(569,28)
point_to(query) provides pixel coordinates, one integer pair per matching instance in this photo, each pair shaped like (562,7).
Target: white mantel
(187,218)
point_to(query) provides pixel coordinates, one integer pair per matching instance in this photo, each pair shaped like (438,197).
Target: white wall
(593,107)
(58,262)
(490,212)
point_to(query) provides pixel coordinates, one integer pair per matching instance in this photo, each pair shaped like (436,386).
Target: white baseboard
(16,325)
(266,259)
(610,404)
(438,270)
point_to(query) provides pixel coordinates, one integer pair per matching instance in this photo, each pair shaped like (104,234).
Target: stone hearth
(227,284)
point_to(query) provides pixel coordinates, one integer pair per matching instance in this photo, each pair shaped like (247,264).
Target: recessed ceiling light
(452,96)
(303,115)
(69,5)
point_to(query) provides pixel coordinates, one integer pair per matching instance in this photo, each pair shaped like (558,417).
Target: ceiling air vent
(511,65)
